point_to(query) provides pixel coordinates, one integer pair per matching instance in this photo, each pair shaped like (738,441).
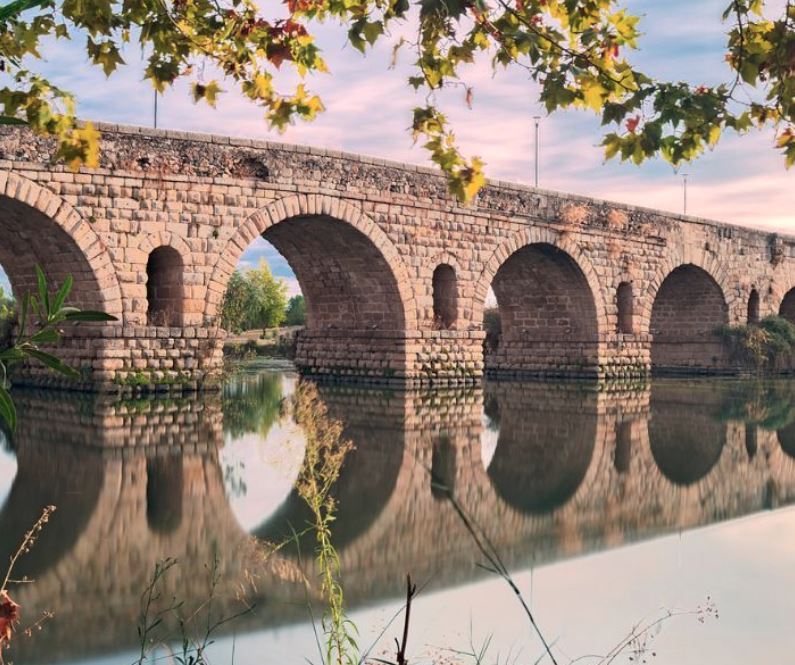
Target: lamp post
(537,120)
(684,193)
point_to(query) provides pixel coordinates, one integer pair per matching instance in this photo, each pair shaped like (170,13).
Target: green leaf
(63,293)
(23,314)
(8,411)
(11,120)
(46,336)
(89,315)
(53,363)
(10,355)
(44,294)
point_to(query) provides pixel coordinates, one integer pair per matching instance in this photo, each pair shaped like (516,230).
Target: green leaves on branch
(465,178)
(574,50)
(44,312)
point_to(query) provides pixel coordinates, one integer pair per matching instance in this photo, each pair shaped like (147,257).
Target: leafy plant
(40,318)
(574,50)
(762,345)
(323,460)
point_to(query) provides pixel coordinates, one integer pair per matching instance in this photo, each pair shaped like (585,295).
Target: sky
(742,181)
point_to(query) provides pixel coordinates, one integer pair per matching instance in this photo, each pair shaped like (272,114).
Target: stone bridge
(142,480)
(396,275)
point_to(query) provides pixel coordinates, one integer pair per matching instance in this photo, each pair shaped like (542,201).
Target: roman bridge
(396,274)
(141,480)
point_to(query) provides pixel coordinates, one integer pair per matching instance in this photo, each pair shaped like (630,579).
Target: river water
(611,507)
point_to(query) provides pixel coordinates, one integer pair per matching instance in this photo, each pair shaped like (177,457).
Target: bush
(761,346)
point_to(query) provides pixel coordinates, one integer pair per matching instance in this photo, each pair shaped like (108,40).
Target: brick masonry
(153,235)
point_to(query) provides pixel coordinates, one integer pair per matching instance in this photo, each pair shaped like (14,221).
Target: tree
(575,50)
(253,299)
(296,311)
(7,318)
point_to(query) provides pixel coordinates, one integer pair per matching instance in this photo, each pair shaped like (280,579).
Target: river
(611,506)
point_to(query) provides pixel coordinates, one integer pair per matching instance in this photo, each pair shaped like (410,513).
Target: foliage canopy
(576,51)
(254,299)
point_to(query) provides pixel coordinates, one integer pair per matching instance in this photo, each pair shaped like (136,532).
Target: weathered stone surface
(154,233)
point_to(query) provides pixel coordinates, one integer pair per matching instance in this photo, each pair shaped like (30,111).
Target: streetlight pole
(684,193)
(155,116)
(537,120)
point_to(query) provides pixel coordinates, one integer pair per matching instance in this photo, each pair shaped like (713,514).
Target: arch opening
(624,305)
(547,315)
(164,287)
(28,238)
(753,307)
(787,308)
(688,310)
(354,313)
(445,297)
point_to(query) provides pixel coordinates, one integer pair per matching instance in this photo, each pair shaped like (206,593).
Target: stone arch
(753,307)
(644,305)
(787,307)
(530,236)
(39,227)
(191,301)
(344,222)
(546,444)
(552,312)
(687,307)
(444,285)
(165,293)
(781,285)
(625,308)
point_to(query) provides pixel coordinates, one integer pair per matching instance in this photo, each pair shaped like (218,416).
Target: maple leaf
(632,124)
(9,615)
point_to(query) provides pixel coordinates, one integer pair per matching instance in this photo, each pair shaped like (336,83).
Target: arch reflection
(375,423)
(685,433)
(547,435)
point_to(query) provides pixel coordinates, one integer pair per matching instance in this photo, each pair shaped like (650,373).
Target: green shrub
(761,346)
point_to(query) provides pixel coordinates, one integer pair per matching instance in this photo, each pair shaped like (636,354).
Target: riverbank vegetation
(761,347)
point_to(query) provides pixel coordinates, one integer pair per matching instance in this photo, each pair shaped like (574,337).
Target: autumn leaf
(9,616)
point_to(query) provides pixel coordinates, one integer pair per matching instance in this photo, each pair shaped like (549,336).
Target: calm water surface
(609,507)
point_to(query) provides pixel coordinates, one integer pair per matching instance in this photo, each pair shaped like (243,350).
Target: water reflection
(547,470)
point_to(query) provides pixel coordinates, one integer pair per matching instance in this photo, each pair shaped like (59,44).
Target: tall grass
(324,457)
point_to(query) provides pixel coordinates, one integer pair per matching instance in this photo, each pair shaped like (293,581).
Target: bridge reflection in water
(547,470)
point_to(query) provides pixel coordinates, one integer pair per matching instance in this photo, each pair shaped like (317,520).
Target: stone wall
(365,238)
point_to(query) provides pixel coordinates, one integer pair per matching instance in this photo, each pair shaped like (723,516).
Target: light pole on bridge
(537,120)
